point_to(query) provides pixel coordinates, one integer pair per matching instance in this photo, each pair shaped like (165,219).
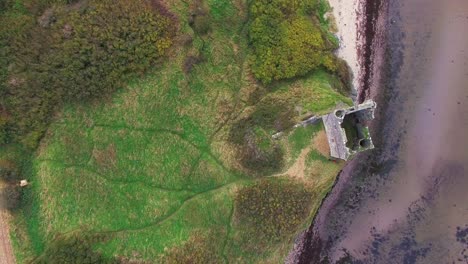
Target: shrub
(260,154)
(274,114)
(286,42)
(200,19)
(10,176)
(5,5)
(12,194)
(83,53)
(272,208)
(9,171)
(257,151)
(190,62)
(73,249)
(3,132)
(343,71)
(199,249)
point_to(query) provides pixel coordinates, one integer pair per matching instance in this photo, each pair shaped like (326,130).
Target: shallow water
(407,201)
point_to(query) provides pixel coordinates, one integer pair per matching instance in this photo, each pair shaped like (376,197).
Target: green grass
(323,8)
(314,155)
(301,137)
(151,167)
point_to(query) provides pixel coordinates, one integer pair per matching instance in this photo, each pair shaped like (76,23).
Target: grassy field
(152,168)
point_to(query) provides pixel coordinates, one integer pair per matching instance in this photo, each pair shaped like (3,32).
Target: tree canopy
(286,39)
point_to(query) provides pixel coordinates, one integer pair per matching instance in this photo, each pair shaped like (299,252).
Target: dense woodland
(59,52)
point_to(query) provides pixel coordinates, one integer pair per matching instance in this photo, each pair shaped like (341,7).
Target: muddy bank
(406,201)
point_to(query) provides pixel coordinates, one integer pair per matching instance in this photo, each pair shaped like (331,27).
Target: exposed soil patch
(298,168)
(321,143)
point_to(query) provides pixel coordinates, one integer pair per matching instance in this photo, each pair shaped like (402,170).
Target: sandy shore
(346,14)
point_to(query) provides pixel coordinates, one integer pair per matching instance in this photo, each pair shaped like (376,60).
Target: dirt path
(6,251)
(297,169)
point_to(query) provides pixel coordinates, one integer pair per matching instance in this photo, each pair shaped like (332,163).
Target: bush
(286,42)
(260,153)
(274,114)
(73,249)
(344,73)
(257,151)
(81,54)
(272,208)
(200,19)
(190,62)
(199,249)
(12,195)
(9,172)
(10,176)
(3,132)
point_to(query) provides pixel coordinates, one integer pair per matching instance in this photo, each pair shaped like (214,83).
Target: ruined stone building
(347,130)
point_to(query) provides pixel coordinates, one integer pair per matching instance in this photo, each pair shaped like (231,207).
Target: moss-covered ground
(152,168)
